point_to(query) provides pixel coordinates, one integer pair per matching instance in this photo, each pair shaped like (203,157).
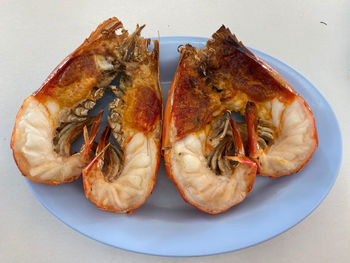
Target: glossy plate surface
(166,225)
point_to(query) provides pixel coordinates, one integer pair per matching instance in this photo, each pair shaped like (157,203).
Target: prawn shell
(140,127)
(22,163)
(287,86)
(170,130)
(166,145)
(107,208)
(20,160)
(315,138)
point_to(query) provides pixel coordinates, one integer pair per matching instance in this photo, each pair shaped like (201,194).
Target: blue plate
(166,225)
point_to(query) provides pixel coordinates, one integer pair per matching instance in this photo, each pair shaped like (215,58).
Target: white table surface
(37,35)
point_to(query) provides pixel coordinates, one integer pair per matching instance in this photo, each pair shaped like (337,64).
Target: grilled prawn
(54,116)
(123,173)
(200,149)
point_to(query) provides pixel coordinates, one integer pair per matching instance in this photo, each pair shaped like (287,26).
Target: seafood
(54,116)
(278,131)
(123,173)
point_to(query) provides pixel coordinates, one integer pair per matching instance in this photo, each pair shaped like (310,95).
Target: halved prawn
(51,118)
(279,130)
(123,174)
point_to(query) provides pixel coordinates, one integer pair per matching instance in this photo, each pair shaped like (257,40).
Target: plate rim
(202,40)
